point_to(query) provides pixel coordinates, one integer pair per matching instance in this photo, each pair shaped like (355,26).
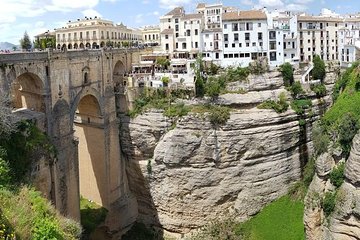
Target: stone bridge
(74,92)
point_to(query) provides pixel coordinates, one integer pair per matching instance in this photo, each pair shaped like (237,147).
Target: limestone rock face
(324,164)
(196,173)
(344,222)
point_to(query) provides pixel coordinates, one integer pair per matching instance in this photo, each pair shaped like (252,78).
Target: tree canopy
(25,42)
(318,71)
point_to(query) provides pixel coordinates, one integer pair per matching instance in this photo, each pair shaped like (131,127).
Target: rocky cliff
(344,222)
(187,176)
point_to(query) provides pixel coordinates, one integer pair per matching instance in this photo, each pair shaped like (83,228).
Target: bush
(296,89)
(347,128)
(287,74)
(318,71)
(280,106)
(343,81)
(199,87)
(176,110)
(337,175)
(321,139)
(328,203)
(5,177)
(300,105)
(214,87)
(219,115)
(319,89)
(92,215)
(236,74)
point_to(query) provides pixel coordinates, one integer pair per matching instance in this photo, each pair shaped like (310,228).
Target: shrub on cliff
(320,138)
(279,106)
(219,115)
(337,175)
(300,105)
(287,74)
(328,203)
(319,89)
(296,89)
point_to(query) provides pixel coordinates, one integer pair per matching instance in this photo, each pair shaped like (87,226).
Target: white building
(150,35)
(245,37)
(318,36)
(94,33)
(349,41)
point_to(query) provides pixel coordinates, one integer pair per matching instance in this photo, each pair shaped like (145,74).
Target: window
(196,32)
(259,25)
(249,26)
(247,44)
(166,36)
(272,45)
(235,27)
(226,45)
(176,20)
(236,55)
(226,56)
(233,45)
(217,55)
(260,36)
(167,47)
(188,33)
(225,26)
(236,37)
(254,44)
(272,56)
(183,45)
(247,36)
(226,37)
(176,45)
(272,35)
(247,55)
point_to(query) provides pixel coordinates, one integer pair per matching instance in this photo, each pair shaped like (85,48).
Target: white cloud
(303,1)
(156,13)
(169,4)
(247,2)
(91,13)
(271,3)
(296,7)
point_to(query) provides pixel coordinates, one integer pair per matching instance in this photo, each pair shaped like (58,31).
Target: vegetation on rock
(92,215)
(279,106)
(337,175)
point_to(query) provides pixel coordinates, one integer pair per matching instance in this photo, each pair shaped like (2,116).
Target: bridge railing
(23,56)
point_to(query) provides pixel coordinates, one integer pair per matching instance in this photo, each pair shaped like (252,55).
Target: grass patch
(217,115)
(92,215)
(33,217)
(282,219)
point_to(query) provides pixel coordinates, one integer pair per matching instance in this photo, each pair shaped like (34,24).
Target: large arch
(89,131)
(119,73)
(88,45)
(81,46)
(76,46)
(27,92)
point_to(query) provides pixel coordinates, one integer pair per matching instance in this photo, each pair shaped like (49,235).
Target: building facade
(92,33)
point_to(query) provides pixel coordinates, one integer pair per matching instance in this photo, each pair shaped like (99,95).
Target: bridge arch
(27,92)
(88,125)
(119,72)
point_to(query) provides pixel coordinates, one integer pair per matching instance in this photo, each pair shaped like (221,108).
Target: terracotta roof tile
(244,15)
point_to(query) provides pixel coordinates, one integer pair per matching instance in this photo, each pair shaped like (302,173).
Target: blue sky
(37,16)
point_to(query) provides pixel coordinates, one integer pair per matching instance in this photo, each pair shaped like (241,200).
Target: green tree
(126,44)
(199,78)
(165,81)
(25,42)
(164,63)
(287,74)
(318,71)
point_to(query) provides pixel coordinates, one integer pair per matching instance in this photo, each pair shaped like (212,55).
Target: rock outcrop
(196,173)
(344,222)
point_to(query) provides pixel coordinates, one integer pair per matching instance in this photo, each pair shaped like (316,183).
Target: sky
(38,16)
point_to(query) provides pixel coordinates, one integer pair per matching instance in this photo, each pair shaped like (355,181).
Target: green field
(282,219)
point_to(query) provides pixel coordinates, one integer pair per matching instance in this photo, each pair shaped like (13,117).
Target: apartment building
(318,36)
(349,41)
(94,33)
(180,33)
(245,37)
(211,34)
(150,35)
(282,38)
